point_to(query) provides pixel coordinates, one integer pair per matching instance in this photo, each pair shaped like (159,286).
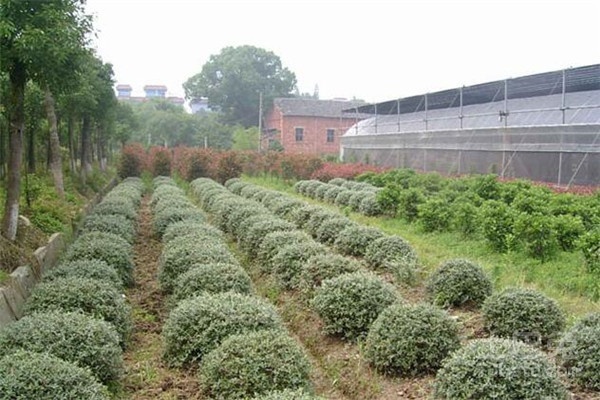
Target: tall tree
(31,33)
(233,79)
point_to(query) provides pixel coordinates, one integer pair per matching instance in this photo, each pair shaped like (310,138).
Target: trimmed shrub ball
(490,369)
(212,278)
(353,241)
(411,340)
(95,298)
(251,364)
(370,206)
(343,198)
(578,352)
(352,319)
(165,218)
(115,206)
(275,241)
(457,283)
(40,376)
(523,314)
(318,218)
(110,248)
(322,267)
(90,269)
(288,394)
(117,224)
(75,337)
(255,234)
(328,231)
(186,227)
(301,215)
(394,254)
(199,324)
(290,260)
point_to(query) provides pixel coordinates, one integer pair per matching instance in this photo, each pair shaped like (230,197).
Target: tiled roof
(155,87)
(303,107)
(124,87)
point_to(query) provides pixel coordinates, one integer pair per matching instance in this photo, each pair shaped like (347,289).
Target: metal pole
(376,122)
(356,119)
(505,116)
(460,112)
(564,91)
(398,110)
(260,111)
(426,105)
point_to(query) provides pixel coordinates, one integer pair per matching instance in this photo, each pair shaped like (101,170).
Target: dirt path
(146,376)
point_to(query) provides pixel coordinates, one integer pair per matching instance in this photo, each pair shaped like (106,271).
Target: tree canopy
(233,79)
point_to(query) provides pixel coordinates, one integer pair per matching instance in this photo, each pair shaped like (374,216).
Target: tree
(233,79)
(245,138)
(33,34)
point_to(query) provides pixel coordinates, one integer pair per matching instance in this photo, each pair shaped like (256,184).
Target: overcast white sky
(375,50)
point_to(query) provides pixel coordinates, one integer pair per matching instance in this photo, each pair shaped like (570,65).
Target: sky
(374,50)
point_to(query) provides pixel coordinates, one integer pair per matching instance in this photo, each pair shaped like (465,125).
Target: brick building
(304,125)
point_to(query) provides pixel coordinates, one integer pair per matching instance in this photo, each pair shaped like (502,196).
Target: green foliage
(343,198)
(370,206)
(465,216)
(411,340)
(245,138)
(394,254)
(228,166)
(89,269)
(212,278)
(300,216)
(353,241)
(408,203)
(275,241)
(131,161)
(114,206)
(252,364)
(288,394)
(578,352)
(435,215)
(523,314)
(117,224)
(166,217)
(568,229)
(85,341)
(290,260)
(590,246)
(318,218)
(457,283)
(487,187)
(41,376)
(110,248)
(356,199)
(161,162)
(324,266)
(538,235)
(490,369)
(190,227)
(329,229)
(497,220)
(388,199)
(253,237)
(331,193)
(92,297)
(199,324)
(352,319)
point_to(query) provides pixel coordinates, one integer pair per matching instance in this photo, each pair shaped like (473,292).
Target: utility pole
(260,111)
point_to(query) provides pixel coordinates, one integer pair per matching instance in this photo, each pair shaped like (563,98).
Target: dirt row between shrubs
(146,376)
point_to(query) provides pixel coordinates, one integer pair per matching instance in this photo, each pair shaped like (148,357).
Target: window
(299,134)
(330,135)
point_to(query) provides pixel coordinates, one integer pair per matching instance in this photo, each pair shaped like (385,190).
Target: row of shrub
(414,339)
(237,339)
(69,343)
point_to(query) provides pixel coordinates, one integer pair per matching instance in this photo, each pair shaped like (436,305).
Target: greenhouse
(542,127)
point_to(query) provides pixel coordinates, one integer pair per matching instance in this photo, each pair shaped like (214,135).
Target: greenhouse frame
(542,127)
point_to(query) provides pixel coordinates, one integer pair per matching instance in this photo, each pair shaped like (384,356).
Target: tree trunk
(72,160)
(54,153)
(17,77)
(31,152)
(86,162)
(2,151)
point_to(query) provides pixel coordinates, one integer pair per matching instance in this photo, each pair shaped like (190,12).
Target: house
(199,105)
(306,125)
(151,92)
(155,91)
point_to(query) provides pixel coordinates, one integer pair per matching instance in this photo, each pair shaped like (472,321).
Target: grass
(563,278)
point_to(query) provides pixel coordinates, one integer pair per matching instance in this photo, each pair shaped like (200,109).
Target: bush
(353,241)
(239,214)
(324,266)
(394,254)
(352,319)
(578,352)
(490,369)
(90,269)
(92,297)
(331,193)
(41,376)
(115,206)
(319,192)
(285,207)
(357,198)
(290,259)
(434,214)
(110,248)
(370,206)
(301,215)
(497,220)
(253,364)
(317,218)
(411,340)
(228,166)
(132,161)
(408,203)
(459,282)
(168,216)
(343,198)
(568,230)
(86,341)
(116,224)
(193,227)
(185,252)
(161,161)
(288,394)
(337,181)
(465,217)
(590,246)
(198,325)
(329,229)
(275,241)
(212,278)
(537,233)
(254,236)
(523,314)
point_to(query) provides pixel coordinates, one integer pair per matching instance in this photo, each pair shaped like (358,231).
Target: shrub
(228,166)
(324,266)
(497,220)
(90,269)
(185,252)
(408,203)
(317,218)
(41,376)
(92,297)
(498,369)
(284,207)
(161,161)
(254,363)
(353,241)
(331,193)
(212,278)
(411,340)
(319,192)
(275,241)
(459,282)
(110,248)
(311,186)
(236,187)
(329,229)
(568,230)
(239,214)
(343,198)
(578,352)
(351,319)
(537,233)
(590,246)
(301,215)
(357,198)
(115,206)
(75,337)
(199,324)
(290,259)
(117,224)
(132,161)
(523,314)
(434,214)
(254,236)
(394,254)
(288,394)
(168,216)
(337,181)
(190,226)
(465,217)
(370,206)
